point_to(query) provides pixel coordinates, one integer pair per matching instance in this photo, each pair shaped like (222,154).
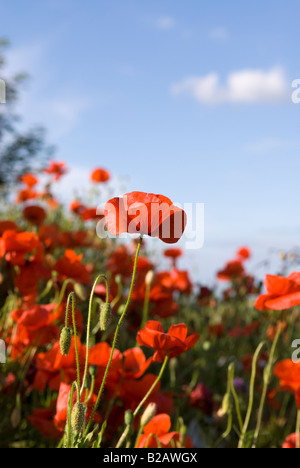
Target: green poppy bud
(93,370)
(128,417)
(77,417)
(65,340)
(148,414)
(105,313)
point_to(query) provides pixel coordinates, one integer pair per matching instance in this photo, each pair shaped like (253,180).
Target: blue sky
(189,99)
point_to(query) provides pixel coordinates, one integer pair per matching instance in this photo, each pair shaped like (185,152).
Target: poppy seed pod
(148,414)
(93,370)
(128,417)
(77,417)
(65,340)
(105,312)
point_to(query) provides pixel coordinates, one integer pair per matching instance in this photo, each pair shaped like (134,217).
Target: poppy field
(102,348)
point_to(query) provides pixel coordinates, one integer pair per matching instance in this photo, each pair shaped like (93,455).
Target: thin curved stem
(251,396)
(146,304)
(298,430)
(136,411)
(70,403)
(71,296)
(62,293)
(116,335)
(267,379)
(102,276)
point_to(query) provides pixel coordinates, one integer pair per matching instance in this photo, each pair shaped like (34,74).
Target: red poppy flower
(19,248)
(288,373)
(290,442)
(34,214)
(146,214)
(54,368)
(70,266)
(156,433)
(42,419)
(100,175)
(28,179)
(206,297)
(201,397)
(173,343)
(62,406)
(173,254)
(282,293)
(7,226)
(57,169)
(35,327)
(26,194)
(88,214)
(77,207)
(132,391)
(244,253)
(233,269)
(135,363)
(28,278)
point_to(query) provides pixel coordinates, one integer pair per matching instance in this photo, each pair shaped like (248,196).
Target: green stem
(267,379)
(146,304)
(72,296)
(102,276)
(136,411)
(116,336)
(62,293)
(237,406)
(91,391)
(298,430)
(251,396)
(68,426)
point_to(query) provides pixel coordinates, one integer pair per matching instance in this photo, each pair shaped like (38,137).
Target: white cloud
(165,22)
(243,86)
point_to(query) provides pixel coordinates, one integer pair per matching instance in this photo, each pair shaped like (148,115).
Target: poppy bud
(77,417)
(226,404)
(128,417)
(105,312)
(65,340)
(148,414)
(118,279)
(121,309)
(93,370)
(149,277)
(87,383)
(79,290)
(15,417)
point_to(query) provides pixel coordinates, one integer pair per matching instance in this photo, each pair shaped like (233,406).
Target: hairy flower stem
(251,396)
(146,304)
(267,379)
(298,430)
(102,276)
(72,296)
(116,336)
(136,411)
(62,293)
(68,425)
